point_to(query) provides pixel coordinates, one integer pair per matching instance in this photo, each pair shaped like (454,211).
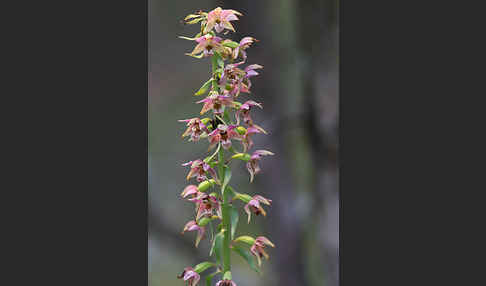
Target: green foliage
(246,255)
(234,220)
(203,266)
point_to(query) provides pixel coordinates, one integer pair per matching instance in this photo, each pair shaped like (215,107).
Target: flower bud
(204,185)
(205,120)
(246,239)
(242,156)
(241,130)
(204,221)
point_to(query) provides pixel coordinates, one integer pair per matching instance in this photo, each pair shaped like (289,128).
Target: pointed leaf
(204,88)
(210,276)
(234,220)
(203,266)
(217,246)
(246,255)
(227,177)
(227,275)
(217,61)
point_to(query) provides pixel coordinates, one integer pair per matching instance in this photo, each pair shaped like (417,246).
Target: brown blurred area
(299,89)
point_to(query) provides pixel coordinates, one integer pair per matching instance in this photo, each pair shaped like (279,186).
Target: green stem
(225,207)
(226,216)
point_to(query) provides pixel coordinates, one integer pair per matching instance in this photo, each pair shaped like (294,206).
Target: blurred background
(299,89)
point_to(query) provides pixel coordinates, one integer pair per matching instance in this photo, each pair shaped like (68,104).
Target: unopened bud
(203,186)
(204,221)
(242,156)
(241,130)
(246,239)
(205,120)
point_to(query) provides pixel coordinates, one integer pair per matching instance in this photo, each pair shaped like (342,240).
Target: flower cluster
(230,121)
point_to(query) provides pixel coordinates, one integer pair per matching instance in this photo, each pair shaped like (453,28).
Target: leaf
(227,177)
(217,61)
(203,266)
(187,38)
(210,276)
(217,245)
(197,57)
(246,255)
(195,21)
(190,16)
(204,87)
(227,275)
(231,44)
(234,220)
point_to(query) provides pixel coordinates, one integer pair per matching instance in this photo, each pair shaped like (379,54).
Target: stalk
(226,217)
(225,210)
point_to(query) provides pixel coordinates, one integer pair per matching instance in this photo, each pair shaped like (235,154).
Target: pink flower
(244,44)
(207,44)
(220,20)
(232,78)
(252,164)
(257,249)
(247,141)
(254,206)
(226,282)
(192,226)
(245,111)
(223,134)
(216,103)
(190,190)
(250,72)
(199,169)
(206,205)
(194,128)
(189,275)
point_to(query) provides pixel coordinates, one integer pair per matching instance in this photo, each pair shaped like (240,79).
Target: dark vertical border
(81,144)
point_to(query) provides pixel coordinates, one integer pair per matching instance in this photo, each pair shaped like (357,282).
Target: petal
(253,67)
(248,212)
(262,153)
(265,240)
(189,190)
(199,48)
(187,164)
(262,199)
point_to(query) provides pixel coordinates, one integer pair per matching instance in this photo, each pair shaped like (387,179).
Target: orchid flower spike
(190,276)
(199,169)
(195,128)
(254,206)
(220,19)
(223,134)
(245,111)
(247,141)
(252,164)
(216,103)
(206,205)
(257,249)
(207,45)
(193,226)
(242,46)
(190,190)
(225,282)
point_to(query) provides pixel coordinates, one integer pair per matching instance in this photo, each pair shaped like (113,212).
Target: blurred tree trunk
(318,39)
(284,226)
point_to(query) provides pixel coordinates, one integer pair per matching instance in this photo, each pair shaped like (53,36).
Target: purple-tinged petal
(189,190)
